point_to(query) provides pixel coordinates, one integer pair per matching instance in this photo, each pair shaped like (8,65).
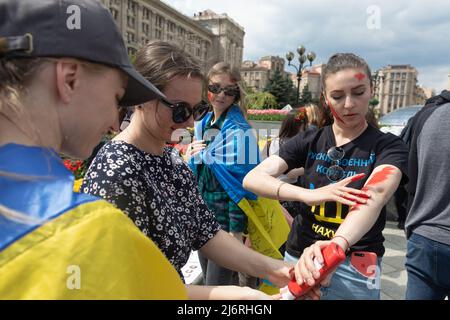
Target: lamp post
(301,59)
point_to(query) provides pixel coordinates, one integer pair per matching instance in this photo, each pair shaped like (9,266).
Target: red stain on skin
(210,96)
(377,178)
(358,177)
(333,112)
(360,76)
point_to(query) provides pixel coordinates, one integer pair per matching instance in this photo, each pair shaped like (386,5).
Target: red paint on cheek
(210,96)
(333,112)
(360,76)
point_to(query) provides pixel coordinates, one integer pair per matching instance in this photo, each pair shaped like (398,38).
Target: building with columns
(207,36)
(257,75)
(395,86)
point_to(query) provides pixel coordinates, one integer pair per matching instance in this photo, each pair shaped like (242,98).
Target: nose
(189,122)
(349,102)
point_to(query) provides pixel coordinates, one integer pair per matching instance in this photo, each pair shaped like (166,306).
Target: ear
(67,74)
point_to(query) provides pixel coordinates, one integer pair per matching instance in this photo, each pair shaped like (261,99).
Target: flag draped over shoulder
(232,153)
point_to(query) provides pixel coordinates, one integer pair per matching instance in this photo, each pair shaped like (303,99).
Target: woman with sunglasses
(229,113)
(151,183)
(333,157)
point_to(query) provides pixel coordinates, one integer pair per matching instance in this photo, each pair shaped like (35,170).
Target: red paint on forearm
(378,177)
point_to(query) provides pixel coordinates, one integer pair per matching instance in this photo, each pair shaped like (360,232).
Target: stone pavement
(393,273)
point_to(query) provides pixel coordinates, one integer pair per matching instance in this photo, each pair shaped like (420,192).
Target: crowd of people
(256,220)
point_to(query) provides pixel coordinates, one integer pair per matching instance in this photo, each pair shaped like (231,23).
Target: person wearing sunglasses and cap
(150,182)
(333,157)
(64,71)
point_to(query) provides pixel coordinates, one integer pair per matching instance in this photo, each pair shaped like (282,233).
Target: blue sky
(383,32)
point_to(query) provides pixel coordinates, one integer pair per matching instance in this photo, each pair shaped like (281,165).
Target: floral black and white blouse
(159,193)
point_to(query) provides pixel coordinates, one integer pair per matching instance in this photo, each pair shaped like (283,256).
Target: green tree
(281,87)
(261,100)
(373,102)
(306,96)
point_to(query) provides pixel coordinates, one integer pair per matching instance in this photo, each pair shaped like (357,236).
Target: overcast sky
(383,32)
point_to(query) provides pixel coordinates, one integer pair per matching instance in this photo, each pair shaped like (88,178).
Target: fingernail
(357,177)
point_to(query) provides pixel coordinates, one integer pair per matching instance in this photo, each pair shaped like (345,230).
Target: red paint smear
(380,176)
(360,76)
(333,112)
(358,177)
(210,96)
(377,178)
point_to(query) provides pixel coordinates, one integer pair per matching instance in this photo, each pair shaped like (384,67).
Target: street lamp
(301,59)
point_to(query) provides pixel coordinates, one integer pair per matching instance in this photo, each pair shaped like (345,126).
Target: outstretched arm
(263,181)
(228,252)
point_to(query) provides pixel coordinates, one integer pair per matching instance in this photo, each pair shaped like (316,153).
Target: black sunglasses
(216,89)
(181,111)
(335,172)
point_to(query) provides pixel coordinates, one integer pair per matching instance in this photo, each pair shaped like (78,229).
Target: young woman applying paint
(336,155)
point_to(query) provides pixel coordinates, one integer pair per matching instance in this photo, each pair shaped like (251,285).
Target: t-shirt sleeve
(294,151)
(393,151)
(205,226)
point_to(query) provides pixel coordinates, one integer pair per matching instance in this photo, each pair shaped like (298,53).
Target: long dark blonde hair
(235,76)
(160,61)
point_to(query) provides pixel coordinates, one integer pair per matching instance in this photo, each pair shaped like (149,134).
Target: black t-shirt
(309,150)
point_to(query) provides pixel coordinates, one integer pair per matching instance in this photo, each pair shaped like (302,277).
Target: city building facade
(207,36)
(257,75)
(395,86)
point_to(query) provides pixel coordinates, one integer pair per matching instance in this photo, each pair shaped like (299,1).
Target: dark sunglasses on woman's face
(229,91)
(181,111)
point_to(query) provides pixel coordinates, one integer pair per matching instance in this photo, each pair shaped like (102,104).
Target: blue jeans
(428,267)
(348,284)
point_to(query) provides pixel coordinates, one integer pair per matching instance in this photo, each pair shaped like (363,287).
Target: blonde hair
(235,76)
(313,114)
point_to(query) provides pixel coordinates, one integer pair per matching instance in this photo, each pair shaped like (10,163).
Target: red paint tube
(333,255)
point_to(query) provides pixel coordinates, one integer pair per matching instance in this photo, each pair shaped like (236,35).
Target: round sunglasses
(335,172)
(181,111)
(228,91)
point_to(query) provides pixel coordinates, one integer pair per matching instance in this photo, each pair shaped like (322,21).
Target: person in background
(428,220)
(150,182)
(60,89)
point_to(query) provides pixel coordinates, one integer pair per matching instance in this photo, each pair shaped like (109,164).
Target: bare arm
(295,173)
(196,292)
(381,185)
(226,251)
(262,181)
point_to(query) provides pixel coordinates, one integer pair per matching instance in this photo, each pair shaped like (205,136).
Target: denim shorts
(348,284)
